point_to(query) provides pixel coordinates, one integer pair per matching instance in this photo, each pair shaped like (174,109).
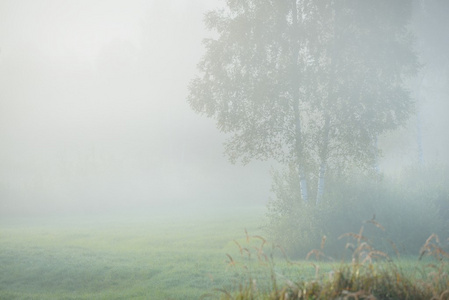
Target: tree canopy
(311,84)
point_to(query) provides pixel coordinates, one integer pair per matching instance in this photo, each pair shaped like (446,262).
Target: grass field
(160,254)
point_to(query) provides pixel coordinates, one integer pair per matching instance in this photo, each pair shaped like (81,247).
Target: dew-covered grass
(159,254)
(154,254)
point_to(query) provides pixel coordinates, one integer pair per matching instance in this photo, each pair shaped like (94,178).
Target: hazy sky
(93,111)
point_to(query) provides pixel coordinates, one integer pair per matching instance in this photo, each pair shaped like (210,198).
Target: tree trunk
(323,158)
(320,190)
(323,151)
(376,157)
(418,123)
(419,139)
(295,94)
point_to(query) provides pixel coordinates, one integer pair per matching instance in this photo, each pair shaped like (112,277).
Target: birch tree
(310,84)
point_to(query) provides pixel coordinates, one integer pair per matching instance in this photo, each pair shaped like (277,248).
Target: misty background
(94,118)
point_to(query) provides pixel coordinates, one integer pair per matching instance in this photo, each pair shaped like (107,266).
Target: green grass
(158,255)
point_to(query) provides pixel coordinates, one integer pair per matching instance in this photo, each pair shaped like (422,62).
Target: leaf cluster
(341,64)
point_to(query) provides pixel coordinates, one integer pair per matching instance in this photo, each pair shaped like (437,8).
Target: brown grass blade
(240,247)
(247,252)
(231,261)
(376,224)
(378,254)
(260,238)
(318,254)
(323,241)
(356,236)
(360,236)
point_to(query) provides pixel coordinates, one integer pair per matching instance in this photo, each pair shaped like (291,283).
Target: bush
(398,214)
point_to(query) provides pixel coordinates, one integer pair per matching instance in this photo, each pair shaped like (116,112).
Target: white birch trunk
(376,157)
(419,139)
(303,185)
(420,98)
(295,90)
(320,191)
(323,164)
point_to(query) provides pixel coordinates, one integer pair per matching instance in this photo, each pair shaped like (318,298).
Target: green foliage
(408,208)
(307,83)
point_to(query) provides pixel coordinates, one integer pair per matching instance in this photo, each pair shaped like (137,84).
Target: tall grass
(371,274)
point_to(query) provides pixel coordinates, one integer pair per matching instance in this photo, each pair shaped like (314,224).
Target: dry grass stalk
(361,294)
(432,248)
(361,280)
(373,221)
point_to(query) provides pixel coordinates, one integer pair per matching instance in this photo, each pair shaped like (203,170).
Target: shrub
(405,209)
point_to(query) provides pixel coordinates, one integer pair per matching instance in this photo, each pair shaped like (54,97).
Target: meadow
(159,254)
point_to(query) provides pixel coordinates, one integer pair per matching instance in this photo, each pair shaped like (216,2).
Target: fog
(94,117)
(430,90)
(93,110)
(118,121)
